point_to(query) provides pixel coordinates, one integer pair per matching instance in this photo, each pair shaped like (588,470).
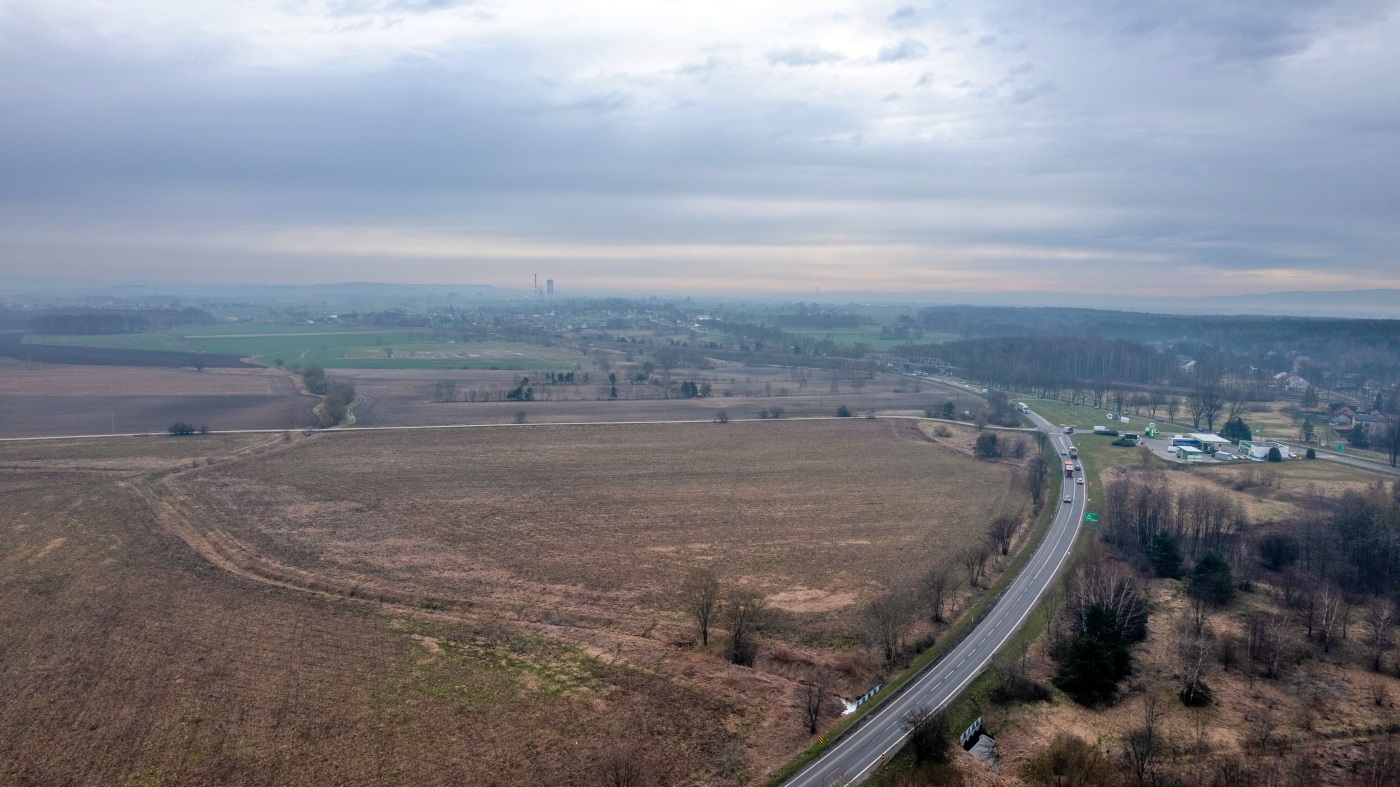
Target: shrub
(843,412)
(929,735)
(180,428)
(1311,454)
(986,446)
(1275,455)
(1069,761)
(1197,695)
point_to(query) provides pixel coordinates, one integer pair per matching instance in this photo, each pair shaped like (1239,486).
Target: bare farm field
(44,399)
(410,397)
(458,607)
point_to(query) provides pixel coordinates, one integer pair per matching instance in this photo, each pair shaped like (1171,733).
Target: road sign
(1091,517)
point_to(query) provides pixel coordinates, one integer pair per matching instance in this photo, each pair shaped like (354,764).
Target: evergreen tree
(1211,579)
(1236,430)
(1165,556)
(1097,659)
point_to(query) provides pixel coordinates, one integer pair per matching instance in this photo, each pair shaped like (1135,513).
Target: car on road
(1069,499)
(1079,480)
(1064,453)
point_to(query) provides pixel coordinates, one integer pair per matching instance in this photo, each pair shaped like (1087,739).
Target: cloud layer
(1188,148)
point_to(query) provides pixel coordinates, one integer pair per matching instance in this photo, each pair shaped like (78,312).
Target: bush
(1069,761)
(986,446)
(1278,551)
(180,428)
(1311,454)
(1275,455)
(1197,695)
(930,738)
(721,417)
(843,412)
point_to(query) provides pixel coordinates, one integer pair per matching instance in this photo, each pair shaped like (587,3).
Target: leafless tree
(1331,607)
(1262,725)
(974,562)
(1144,745)
(1037,478)
(745,611)
(1003,530)
(1172,405)
(700,596)
(889,617)
(1380,619)
(938,585)
(929,735)
(1267,640)
(813,699)
(1194,648)
(1237,403)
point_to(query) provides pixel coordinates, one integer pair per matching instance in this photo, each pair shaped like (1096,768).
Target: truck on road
(1069,470)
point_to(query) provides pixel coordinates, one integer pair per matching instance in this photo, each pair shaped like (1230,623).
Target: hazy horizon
(730,149)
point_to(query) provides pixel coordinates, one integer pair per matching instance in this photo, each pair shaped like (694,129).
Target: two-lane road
(852,758)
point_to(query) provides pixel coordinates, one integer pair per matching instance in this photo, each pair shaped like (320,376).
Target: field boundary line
(537,424)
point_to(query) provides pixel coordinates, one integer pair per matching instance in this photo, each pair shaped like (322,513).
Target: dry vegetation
(482,606)
(45,399)
(1292,705)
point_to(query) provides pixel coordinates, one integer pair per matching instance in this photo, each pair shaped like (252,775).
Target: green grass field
(339,349)
(118,341)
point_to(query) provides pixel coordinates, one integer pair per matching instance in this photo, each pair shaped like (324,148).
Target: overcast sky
(1195,146)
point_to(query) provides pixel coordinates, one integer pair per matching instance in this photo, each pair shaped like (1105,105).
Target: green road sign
(1091,517)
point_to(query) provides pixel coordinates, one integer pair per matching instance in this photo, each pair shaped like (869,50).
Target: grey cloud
(804,56)
(1104,146)
(908,49)
(904,16)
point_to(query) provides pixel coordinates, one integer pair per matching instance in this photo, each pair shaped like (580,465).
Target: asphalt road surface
(852,758)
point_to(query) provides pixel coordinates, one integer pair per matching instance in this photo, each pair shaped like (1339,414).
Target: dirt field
(42,399)
(530,632)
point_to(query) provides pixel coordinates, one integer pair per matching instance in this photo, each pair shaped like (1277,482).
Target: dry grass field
(459,607)
(44,399)
(396,397)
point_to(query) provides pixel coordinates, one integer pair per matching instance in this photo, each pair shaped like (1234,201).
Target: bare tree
(1037,478)
(929,735)
(813,698)
(938,585)
(1267,638)
(1194,640)
(745,611)
(1143,746)
(1380,618)
(700,596)
(1237,402)
(974,562)
(1331,608)
(889,617)
(1003,530)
